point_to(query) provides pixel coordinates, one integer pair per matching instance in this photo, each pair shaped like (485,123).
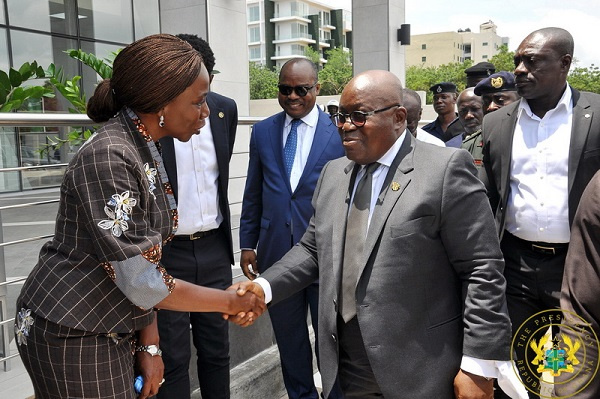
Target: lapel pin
(395,186)
(587,115)
(221,115)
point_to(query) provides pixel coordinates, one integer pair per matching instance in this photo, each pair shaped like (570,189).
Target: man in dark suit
(539,155)
(579,298)
(412,299)
(201,251)
(276,208)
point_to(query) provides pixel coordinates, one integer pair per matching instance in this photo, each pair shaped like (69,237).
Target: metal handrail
(32,119)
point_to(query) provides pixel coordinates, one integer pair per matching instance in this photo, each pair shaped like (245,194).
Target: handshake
(247,304)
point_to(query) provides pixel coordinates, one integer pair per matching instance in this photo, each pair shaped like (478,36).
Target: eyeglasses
(300,90)
(358,118)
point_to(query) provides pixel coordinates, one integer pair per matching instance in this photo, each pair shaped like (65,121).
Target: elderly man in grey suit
(411,289)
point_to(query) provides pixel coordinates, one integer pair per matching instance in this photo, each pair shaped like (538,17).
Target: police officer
(444,103)
(496,91)
(478,72)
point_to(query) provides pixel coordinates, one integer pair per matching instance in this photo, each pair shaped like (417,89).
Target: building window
(484,43)
(299,30)
(254,13)
(423,59)
(254,34)
(255,53)
(484,57)
(423,46)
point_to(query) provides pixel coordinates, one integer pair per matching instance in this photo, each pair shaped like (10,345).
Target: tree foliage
(263,82)
(504,59)
(336,73)
(422,78)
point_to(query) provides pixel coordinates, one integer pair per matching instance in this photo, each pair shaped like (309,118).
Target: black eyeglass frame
(302,91)
(339,119)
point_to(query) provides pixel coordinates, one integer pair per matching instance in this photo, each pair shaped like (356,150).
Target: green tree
(312,55)
(585,79)
(336,73)
(422,78)
(263,82)
(504,59)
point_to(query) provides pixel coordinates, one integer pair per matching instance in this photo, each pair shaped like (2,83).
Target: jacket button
(334,337)
(335,305)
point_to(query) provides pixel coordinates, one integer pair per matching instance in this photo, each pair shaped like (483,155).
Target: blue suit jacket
(273,217)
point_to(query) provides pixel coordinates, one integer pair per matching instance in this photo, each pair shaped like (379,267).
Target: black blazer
(223,123)
(584,152)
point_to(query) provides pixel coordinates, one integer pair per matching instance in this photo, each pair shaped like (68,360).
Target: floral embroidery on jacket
(117,222)
(23,324)
(151,174)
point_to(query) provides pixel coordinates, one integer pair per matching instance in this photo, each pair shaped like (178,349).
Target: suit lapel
(219,131)
(168,156)
(582,120)
(506,133)
(323,132)
(276,135)
(399,172)
(339,221)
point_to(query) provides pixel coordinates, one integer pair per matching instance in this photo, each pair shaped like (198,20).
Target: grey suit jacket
(584,152)
(431,288)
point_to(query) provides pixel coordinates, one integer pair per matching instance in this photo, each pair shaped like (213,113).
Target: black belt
(545,248)
(197,235)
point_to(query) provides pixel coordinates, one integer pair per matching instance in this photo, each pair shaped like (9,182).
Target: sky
(513,18)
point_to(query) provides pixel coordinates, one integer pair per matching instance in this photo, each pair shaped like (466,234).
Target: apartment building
(282,29)
(435,49)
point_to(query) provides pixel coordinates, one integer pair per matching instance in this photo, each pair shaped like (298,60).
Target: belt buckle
(544,250)
(196,237)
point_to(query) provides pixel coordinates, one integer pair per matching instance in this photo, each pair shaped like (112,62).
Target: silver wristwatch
(153,350)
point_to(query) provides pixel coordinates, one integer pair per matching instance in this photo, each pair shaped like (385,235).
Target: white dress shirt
(197,183)
(306,134)
(537,208)
(502,370)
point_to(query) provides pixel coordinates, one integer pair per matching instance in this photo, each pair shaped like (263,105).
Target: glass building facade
(42,30)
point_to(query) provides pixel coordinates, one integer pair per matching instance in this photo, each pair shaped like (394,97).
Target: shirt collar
(389,156)
(565,103)
(311,119)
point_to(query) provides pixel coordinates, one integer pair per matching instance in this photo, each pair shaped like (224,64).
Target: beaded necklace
(158,163)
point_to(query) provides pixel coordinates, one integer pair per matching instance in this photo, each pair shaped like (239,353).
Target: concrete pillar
(223,24)
(374,36)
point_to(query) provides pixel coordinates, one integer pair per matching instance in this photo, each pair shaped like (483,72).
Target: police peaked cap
(443,87)
(481,69)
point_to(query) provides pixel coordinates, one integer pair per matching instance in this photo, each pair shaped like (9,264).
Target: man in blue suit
(287,152)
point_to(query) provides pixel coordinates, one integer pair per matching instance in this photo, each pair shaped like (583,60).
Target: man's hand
(244,289)
(248,263)
(471,386)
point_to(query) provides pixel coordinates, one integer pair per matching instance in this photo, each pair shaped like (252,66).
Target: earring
(161,121)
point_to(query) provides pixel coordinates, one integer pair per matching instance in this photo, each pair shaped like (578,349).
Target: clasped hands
(251,300)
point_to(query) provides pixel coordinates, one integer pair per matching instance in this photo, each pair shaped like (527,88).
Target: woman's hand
(151,369)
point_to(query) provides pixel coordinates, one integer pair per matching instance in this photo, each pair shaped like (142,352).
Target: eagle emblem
(497,82)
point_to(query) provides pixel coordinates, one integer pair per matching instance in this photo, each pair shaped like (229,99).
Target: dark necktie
(289,150)
(356,234)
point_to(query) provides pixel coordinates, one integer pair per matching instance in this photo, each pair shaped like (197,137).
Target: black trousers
(355,374)
(533,284)
(205,262)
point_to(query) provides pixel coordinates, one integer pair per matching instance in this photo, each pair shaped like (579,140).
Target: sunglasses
(300,90)
(358,118)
